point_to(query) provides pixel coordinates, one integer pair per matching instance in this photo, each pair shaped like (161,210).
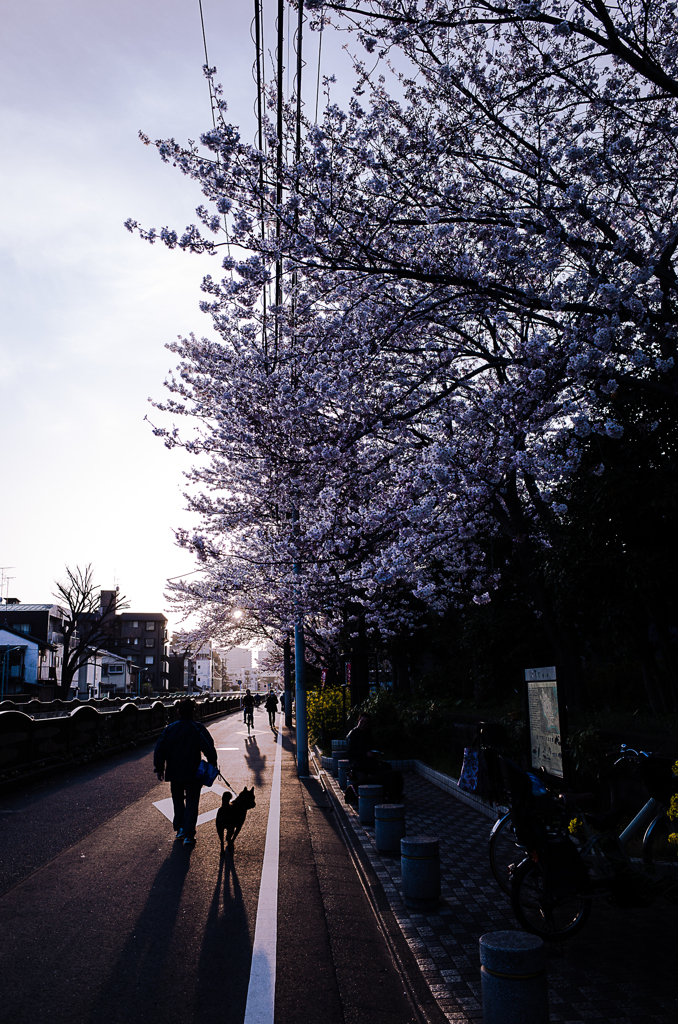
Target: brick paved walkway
(620,969)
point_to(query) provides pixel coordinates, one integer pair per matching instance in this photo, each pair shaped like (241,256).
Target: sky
(87,308)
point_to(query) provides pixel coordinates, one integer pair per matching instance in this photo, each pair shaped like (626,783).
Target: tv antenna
(5,581)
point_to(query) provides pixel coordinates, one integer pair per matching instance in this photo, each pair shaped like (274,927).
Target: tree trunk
(510,516)
(67,677)
(652,686)
(400,663)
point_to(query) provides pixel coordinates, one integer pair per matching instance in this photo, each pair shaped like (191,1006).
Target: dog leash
(226,781)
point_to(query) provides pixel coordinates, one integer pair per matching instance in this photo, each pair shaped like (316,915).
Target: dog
(231,816)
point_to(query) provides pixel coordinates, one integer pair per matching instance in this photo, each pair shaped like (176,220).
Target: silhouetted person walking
(271,706)
(176,758)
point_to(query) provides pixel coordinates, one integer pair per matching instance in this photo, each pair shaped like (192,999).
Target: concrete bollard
(339,748)
(343,768)
(389,827)
(420,869)
(368,798)
(513,978)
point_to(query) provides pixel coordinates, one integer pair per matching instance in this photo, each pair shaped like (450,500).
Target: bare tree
(87,625)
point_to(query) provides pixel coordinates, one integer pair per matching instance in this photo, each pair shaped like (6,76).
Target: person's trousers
(271,718)
(186,798)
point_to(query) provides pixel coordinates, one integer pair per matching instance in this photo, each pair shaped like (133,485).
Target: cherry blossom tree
(475,271)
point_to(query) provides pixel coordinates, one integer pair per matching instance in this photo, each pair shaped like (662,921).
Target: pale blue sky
(86,307)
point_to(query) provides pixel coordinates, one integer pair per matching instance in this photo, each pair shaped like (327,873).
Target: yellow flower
(675,768)
(673,807)
(576,824)
(673,838)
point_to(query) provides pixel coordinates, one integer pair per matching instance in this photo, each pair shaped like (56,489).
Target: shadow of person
(256,761)
(131,990)
(226,940)
(288,744)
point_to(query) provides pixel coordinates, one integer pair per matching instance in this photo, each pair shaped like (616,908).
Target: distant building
(25,663)
(43,623)
(203,667)
(268,678)
(236,664)
(141,637)
(138,646)
(116,674)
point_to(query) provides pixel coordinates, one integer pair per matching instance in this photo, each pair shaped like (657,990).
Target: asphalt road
(104,918)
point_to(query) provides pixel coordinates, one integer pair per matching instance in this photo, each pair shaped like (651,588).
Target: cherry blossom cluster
(477,258)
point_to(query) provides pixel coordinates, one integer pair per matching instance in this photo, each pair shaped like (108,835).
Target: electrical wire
(207,63)
(320,50)
(213,105)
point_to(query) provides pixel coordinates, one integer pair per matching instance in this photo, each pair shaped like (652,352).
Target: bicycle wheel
(505,852)
(550,917)
(660,856)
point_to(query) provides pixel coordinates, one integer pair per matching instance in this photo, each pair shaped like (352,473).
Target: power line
(320,50)
(207,63)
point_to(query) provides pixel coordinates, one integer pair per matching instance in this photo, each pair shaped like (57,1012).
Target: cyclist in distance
(248,709)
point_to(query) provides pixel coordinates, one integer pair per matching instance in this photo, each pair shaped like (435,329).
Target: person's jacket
(177,752)
(359,742)
(248,701)
(271,702)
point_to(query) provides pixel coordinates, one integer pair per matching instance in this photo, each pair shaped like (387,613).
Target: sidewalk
(620,969)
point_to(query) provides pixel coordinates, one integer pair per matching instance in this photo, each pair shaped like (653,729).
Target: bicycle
(555,882)
(248,719)
(505,852)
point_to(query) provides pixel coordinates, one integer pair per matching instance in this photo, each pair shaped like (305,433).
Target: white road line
(261,992)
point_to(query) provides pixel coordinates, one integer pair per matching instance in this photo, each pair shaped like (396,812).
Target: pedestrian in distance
(176,759)
(271,706)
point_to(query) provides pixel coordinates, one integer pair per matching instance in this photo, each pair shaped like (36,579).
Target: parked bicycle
(553,877)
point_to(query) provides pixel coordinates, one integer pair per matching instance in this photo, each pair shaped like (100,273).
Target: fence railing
(39,733)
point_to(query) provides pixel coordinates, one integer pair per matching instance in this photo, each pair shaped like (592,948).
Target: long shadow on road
(255,760)
(137,981)
(226,953)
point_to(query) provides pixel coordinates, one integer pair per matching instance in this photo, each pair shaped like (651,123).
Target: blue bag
(206,773)
(474,776)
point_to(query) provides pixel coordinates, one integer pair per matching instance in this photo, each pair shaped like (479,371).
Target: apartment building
(142,638)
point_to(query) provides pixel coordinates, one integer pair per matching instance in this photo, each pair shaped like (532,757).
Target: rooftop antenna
(5,581)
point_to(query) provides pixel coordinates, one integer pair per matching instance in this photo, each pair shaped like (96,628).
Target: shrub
(325,714)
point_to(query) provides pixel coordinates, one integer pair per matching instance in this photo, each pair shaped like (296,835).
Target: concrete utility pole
(300,698)
(299,640)
(287,676)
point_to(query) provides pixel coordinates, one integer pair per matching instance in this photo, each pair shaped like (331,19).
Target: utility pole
(287,676)
(299,639)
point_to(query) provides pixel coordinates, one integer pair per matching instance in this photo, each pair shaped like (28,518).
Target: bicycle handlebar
(630,752)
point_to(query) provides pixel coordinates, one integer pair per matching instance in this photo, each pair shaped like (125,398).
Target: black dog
(231,816)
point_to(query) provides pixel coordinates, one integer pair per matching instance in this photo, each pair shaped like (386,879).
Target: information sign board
(542,703)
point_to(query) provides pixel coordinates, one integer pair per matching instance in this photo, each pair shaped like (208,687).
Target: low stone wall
(29,741)
(449,785)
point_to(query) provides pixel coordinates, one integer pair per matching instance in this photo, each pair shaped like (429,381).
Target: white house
(116,675)
(203,667)
(25,660)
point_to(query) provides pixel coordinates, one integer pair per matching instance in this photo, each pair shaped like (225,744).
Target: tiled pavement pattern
(621,969)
